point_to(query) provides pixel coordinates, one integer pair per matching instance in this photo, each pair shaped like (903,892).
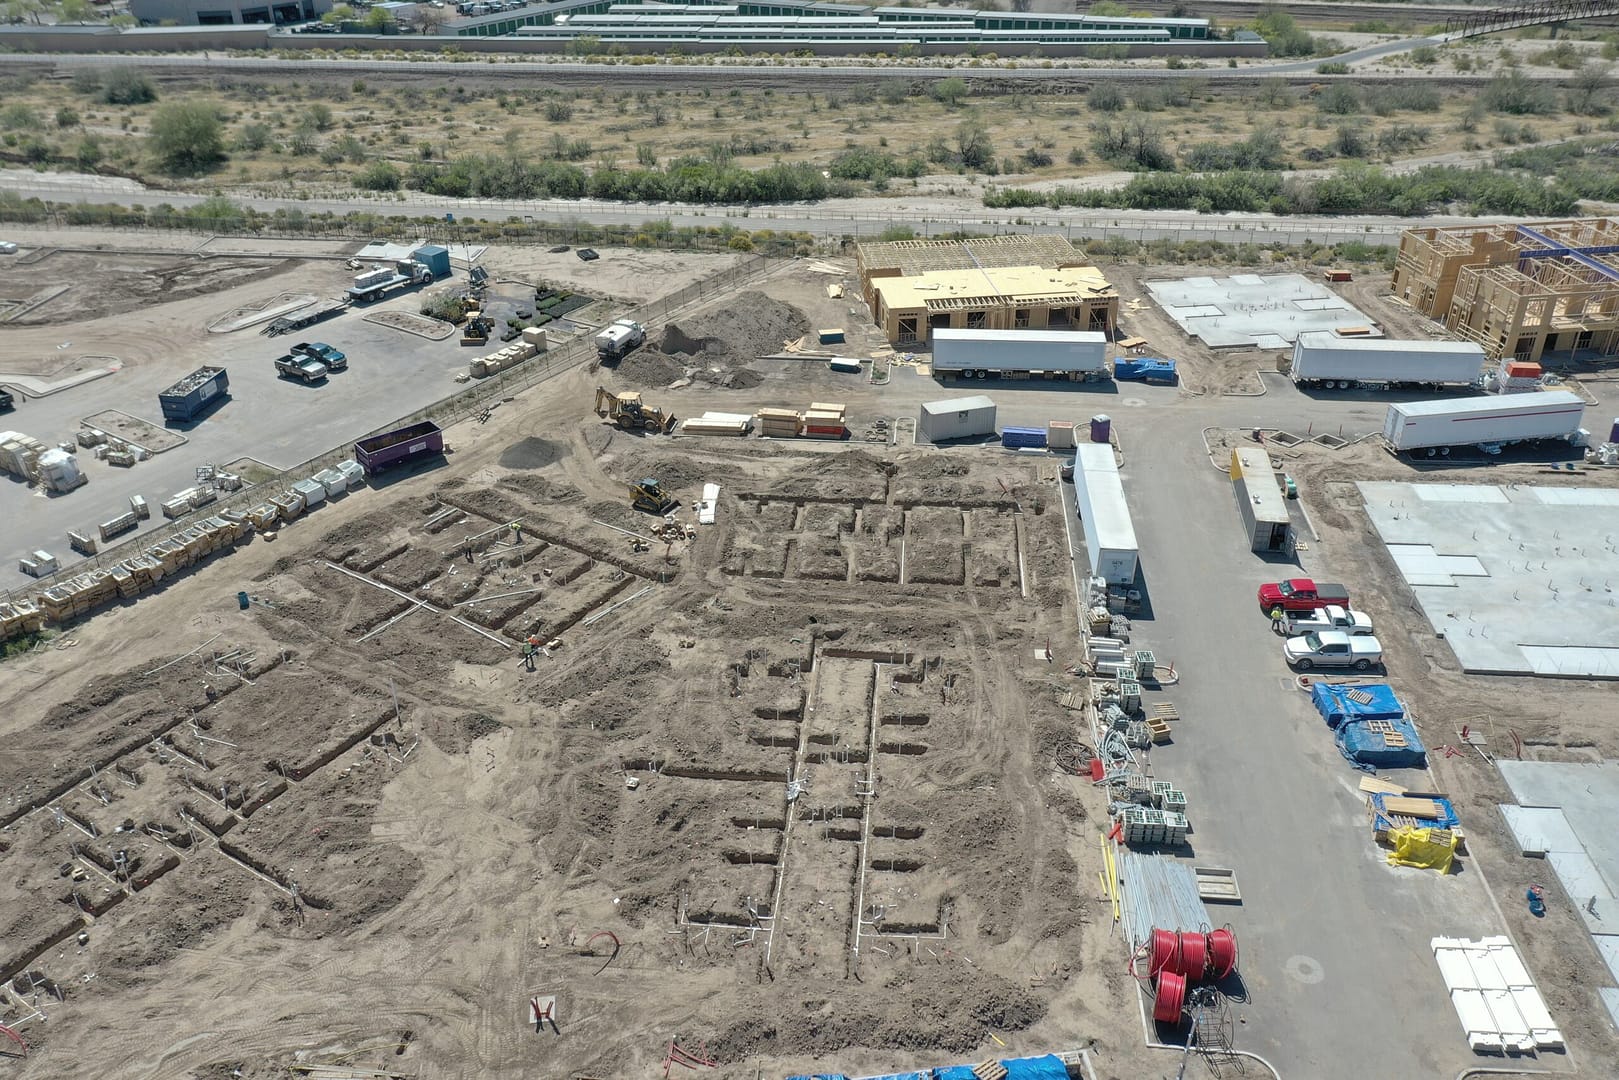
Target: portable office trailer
(1260,500)
(956,418)
(1325,359)
(1110,536)
(992,353)
(1483,421)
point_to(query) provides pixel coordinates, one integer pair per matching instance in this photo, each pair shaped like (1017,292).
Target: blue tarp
(1046,1067)
(954,1072)
(1447,818)
(1371,750)
(1334,707)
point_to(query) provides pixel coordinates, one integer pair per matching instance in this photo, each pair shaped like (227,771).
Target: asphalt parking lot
(277,421)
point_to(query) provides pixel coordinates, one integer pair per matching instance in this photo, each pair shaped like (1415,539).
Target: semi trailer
(1327,361)
(1077,355)
(1486,422)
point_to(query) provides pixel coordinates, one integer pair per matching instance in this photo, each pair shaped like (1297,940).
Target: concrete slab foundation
(1569,807)
(1518,580)
(1251,311)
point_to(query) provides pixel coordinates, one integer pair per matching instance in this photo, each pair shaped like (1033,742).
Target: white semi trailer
(1110,535)
(1078,355)
(1325,360)
(1488,422)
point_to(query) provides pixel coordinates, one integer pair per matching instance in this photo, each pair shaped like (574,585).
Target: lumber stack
(779,423)
(20,617)
(825,420)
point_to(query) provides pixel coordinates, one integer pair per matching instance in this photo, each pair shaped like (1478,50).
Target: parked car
(1301,594)
(306,368)
(1333,648)
(1331,617)
(588,254)
(8,247)
(334,360)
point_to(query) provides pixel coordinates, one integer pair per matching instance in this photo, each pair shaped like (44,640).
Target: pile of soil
(718,347)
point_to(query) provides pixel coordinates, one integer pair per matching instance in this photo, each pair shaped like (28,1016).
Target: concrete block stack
(78,595)
(497,362)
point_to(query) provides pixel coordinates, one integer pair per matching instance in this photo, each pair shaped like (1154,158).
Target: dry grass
(318,135)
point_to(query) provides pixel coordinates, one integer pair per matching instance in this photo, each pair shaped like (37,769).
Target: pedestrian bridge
(1539,13)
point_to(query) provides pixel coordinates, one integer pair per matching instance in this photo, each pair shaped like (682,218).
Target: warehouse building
(227,12)
(841,29)
(913,287)
(1522,292)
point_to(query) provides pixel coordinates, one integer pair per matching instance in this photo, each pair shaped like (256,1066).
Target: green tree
(974,148)
(187,137)
(378,176)
(341,13)
(378,19)
(950,91)
(126,86)
(73,11)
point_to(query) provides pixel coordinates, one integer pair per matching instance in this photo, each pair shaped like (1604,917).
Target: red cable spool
(1193,961)
(1166,952)
(1171,996)
(1222,953)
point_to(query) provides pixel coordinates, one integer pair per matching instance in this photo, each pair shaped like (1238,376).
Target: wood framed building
(1520,291)
(913,287)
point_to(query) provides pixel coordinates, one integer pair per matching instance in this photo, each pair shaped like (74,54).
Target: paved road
(501,65)
(829,218)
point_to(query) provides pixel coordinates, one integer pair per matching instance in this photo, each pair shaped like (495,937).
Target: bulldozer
(649,497)
(630,413)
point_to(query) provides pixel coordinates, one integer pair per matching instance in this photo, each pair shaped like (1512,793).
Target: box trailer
(1487,422)
(1259,500)
(956,418)
(993,354)
(1325,360)
(194,394)
(1110,536)
(396,447)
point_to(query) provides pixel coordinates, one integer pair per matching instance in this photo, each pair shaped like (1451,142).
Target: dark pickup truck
(1301,594)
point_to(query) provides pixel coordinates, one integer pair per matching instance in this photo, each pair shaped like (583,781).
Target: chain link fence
(478,396)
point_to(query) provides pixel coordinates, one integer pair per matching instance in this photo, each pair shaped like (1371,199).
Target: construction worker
(1277,618)
(517,528)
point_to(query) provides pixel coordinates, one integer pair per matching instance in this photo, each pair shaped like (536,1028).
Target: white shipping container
(1110,536)
(956,418)
(1322,357)
(1054,352)
(1551,414)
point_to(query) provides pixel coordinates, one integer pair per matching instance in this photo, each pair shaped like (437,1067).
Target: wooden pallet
(989,1070)
(1163,710)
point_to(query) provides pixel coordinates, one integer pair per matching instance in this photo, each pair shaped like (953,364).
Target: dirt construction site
(348,826)
(475,771)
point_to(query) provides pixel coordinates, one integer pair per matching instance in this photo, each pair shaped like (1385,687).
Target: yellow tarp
(1429,849)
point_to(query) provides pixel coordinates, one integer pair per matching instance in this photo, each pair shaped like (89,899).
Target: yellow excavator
(649,497)
(629,412)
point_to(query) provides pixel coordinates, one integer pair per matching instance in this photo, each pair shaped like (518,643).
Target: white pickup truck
(1332,648)
(1331,617)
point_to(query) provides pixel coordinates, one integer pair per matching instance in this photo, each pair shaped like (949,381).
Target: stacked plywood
(779,423)
(715,423)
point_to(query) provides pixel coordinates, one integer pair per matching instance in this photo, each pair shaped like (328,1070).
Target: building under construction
(913,287)
(1520,291)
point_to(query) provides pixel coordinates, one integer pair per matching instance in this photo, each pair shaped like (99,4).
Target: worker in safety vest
(1278,619)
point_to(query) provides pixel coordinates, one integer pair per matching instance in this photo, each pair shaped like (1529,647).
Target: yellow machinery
(630,413)
(649,497)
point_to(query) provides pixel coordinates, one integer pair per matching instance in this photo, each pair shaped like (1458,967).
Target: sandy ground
(461,830)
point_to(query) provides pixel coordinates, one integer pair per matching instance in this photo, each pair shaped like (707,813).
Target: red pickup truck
(1301,594)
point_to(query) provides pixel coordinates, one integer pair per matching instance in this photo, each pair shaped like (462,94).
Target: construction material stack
(19,454)
(717,423)
(496,362)
(1060,434)
(824,420)
(779,423)
(1517,377)
(20,617)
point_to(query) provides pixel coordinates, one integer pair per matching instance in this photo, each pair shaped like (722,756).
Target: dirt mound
(717,347)
(531,453)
